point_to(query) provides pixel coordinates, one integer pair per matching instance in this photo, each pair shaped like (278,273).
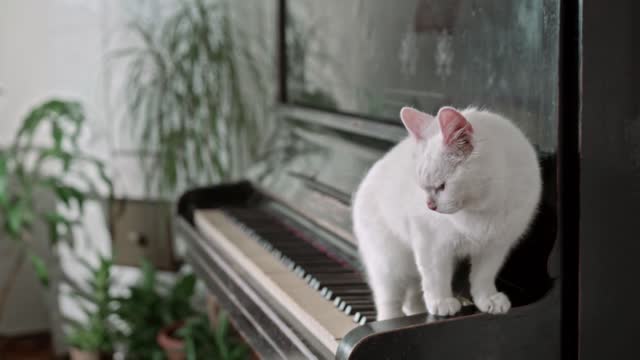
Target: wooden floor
(29,347)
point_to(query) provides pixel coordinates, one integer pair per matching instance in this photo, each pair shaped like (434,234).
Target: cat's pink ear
(415,121)
(456,130)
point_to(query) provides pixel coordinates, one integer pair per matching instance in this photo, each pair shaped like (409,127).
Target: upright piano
(277,249)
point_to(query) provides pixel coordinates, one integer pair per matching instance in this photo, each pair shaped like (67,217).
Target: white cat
(464,183)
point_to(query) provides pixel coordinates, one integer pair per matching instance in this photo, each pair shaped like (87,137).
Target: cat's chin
(446,211)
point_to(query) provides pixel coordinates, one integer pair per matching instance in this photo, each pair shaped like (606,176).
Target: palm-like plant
(188,86)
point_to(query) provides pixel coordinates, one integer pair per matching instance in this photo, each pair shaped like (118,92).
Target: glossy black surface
(529,332)
(503,55)
(371,57)
(609,181)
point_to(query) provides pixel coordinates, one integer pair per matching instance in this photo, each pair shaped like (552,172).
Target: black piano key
(351,288)
(337,277)
(329,270)
(354,308)
(361,301)
(294,245)
(355,296)
(314,261)
(363,308)
(321,270)
(360,305)
(346,297)
(369,313)
(336,280)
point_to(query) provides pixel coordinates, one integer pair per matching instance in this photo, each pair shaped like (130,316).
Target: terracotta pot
(173,347)
(77,354)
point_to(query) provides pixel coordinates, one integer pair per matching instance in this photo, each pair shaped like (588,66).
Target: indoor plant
(57,168)
(197,96)
(195,339)
(144,311)
(161,321)
(94,338)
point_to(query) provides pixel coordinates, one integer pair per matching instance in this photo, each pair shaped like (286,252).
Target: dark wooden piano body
(522,58)
(531,330)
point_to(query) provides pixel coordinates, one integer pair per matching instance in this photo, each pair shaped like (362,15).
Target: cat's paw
(497,303)
(414,307)
(386,315)
(443,307)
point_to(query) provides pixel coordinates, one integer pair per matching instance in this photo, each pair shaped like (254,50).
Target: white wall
(52,48)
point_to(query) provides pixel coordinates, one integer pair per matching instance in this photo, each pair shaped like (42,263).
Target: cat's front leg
(436,265)
(484,269)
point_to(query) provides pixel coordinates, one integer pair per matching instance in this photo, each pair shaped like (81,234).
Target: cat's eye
(440,188)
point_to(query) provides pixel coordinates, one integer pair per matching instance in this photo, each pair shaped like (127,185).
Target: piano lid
(348,67)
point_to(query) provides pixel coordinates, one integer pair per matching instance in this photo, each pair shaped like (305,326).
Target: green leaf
(191,349)
(40,268)
(103,176)
(57,135)
(57,218)
(184,287)
(31,122)
(148,275)
(63,156)
(14,219)
(221,335)
(67,193)
(54,220)
(54,237)
(3,179)
(239,352)
(223,325)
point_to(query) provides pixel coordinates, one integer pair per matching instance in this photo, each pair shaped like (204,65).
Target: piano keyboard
(323,294)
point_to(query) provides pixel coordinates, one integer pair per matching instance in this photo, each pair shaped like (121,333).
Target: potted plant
(197,91)
(57,168)
(161,322)
(149,306)
(93,339)
(195,339)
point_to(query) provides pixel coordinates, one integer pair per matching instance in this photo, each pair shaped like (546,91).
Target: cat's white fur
(492,189)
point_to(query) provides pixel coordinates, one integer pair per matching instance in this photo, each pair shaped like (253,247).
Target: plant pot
(173,347)
(77,354)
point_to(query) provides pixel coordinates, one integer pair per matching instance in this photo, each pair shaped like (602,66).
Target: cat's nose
(432,205)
